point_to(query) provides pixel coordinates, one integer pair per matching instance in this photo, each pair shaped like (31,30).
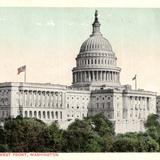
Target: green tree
(93,134)
(102,125)
(125,143)
(22,134)
(79,137)
(135,142)
(3,145)
(153,126)
(147,143)
(105,129)
(51,138)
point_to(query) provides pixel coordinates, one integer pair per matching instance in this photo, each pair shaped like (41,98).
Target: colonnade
(43,114)
(33,98)
(139,107)
(88,76)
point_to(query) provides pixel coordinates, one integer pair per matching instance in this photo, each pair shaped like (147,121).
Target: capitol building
(96,88)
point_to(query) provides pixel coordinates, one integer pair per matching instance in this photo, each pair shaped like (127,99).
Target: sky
(47,41)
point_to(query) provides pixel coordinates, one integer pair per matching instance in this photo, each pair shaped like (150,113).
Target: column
(113,76)
(34,98)
(84,76)
(51,99)
(47,99)
(96,75)
(39,99)
(62,99)
(101,76)
(75,79)
(93,76)
(43,98)
(89,77)
(20,98)
(78,77)
(118,77)
(109,76)
(81,76)
(103,73)
(23,103)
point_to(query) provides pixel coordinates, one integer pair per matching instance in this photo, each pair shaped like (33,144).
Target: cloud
(49,23)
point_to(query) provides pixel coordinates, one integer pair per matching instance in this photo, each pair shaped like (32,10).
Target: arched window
(95,61)
(52,114)
(44,114)
(39,114)
(35,114)
(60,114)
(48,114)
(25,113)
(56,115)
(30,113)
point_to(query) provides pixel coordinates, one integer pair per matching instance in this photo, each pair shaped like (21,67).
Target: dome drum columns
(95,76)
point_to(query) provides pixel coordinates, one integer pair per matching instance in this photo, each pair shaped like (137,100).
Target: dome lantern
(96,25)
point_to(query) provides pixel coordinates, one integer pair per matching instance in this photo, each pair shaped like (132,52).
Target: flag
(134,77)
(21,69)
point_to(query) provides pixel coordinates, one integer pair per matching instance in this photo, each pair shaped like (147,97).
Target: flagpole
(25,76)
(136,83)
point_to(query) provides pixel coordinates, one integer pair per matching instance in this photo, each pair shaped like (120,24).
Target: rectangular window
(97,105)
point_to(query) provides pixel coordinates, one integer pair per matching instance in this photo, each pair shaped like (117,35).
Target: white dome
(96,43)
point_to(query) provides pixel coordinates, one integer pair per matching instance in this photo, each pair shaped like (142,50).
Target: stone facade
(158,104)
(47,102)
(95,89)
